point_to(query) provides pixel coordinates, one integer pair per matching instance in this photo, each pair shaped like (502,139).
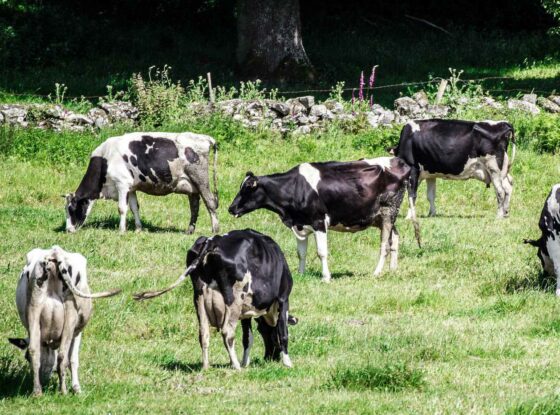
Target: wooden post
(210,89)
(441,91)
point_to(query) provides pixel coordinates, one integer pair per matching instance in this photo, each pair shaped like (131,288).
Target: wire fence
(435,80)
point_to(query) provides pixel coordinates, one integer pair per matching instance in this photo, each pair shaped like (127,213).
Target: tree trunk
(269,40)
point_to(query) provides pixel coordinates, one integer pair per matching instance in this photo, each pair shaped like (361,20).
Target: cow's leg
(384,249)
(135,207)
(302,252)
(203,330)
(75,362)
(123,207)
(507,185)
(282,329)
(322,252)
(194,203)
(211,204)
(413,183)
(34,348)
(70,320)
(394,240)
(431,185)
(268,335)
(228,335)
(496,177)
(247,340)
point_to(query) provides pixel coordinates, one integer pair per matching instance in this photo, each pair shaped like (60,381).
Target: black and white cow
(457,150)
(549,242)
(240,275)
(153,163)
(341,196)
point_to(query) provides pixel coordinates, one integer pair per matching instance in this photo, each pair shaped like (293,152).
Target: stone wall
(299,115)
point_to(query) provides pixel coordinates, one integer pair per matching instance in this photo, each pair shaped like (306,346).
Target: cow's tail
(215,145)
(534,242)
(510,161)
(147,295)
(68,281)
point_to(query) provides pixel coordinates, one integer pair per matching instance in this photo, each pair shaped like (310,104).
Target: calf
(457,150)
(341,196)
(54,305)
(239,276)
(153,163)
(549,243)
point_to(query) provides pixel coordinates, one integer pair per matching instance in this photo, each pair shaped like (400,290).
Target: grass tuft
(391,377)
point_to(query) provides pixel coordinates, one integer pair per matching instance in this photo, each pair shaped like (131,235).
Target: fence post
(441,91)
(210,89)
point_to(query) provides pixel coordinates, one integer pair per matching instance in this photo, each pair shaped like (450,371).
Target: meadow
(467,324)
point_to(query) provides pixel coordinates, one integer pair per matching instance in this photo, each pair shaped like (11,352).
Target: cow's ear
(195,250)
(483,132)
(19,343)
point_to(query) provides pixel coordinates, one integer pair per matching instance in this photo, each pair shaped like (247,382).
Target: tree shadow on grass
(113,223)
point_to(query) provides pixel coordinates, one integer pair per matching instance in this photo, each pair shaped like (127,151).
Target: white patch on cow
(492,122)
(552,203)
(384,162)
(148,148)
(244,180)
(474,167)
(310,174)
(415,127)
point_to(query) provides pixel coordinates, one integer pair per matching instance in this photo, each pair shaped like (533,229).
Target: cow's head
(251,196)
(77,210)
(48,358)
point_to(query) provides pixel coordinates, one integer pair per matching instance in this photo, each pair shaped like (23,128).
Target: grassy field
(463,325)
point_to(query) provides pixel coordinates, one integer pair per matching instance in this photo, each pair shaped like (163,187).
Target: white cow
(54,304)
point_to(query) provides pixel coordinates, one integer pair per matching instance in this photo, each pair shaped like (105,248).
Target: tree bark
(269,40)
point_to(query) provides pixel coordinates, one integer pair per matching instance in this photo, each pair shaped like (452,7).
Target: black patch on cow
(78,278)
(125,158)
(191,155)
(131,172)
(134,161)
(142,177)
(70,270)
(153,155)
(94,179)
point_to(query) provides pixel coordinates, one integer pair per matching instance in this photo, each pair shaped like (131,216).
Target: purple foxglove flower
(362,83)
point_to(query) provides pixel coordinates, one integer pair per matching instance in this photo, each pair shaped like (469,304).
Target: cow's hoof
(76,389)
(432,214)
(236,367)
(558,292)
(326,279)
(190,230)
(138,230)
(286,361)
(37,392)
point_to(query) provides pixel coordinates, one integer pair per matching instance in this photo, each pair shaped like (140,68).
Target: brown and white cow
(54,305)
(154,163)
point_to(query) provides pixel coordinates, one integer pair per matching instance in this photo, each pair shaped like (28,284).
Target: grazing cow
(458,150)
(549,242)
(341,196)
(239,276)
(54,305)
(153,163)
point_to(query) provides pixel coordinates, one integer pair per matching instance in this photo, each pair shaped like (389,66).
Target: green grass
(463,326)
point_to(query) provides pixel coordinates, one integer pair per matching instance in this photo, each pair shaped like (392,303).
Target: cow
(240,275)
(54,305)
(549,243)
(457,150)
(153,163)
(340,196)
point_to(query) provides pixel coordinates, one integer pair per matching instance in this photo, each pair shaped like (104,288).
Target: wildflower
(362,84)
(372,77)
